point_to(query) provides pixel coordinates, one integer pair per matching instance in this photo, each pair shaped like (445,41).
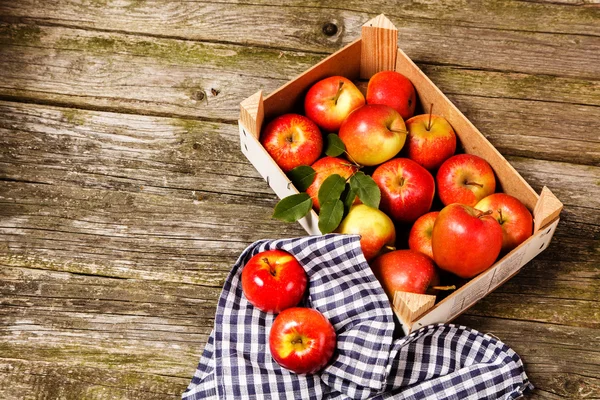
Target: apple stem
(483,214)
(399,131)
(429,123)
(500,220)
(271,269)
(390,248)
(401,181)
(474,184)
(452,287)
(339,92)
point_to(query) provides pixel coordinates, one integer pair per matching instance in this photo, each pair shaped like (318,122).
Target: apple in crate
(273,280)
(465,241)
(405,271)
(302,340)
(330,101)
(392,89)
(419,238)
(512,215)
(373,134)
(375,228)
(407,189)
(292,140)
(465,179)
(325,167)
(431,140)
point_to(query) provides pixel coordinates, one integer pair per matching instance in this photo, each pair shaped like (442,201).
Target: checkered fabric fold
(435,362)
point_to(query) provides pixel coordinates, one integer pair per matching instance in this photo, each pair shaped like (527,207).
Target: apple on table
(292,140)
(465,241)
(407,189)
(431,140)
(325,167)
(373,134)
(302,340)
(273,280)
(329,102)
(376,229)
(392,89)
(465,179)
(512,215)
(405,271)
(419,238)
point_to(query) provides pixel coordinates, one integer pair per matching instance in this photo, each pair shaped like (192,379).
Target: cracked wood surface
(124,198)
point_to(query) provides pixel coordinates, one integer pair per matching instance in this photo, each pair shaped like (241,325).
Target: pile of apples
(368,166)
(301,339)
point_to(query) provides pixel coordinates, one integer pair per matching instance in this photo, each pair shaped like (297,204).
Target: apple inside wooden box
(376,51)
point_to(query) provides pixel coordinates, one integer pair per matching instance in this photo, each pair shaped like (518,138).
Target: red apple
(392,89)
(465,179)
(292,140)
(465,241)
(330,101)
(374,226)
(373,134)
(430,142)
(302,340)
(512,215)
(407,189)
(419,238)
(405,271)
(273,280)
(324,167)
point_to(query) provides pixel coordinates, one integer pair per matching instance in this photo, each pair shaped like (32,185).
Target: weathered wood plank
(212,21)
(112,73)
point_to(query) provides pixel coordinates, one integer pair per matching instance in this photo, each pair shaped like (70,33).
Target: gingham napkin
(435,362)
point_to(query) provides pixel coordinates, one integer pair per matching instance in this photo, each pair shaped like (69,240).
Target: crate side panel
(273,175)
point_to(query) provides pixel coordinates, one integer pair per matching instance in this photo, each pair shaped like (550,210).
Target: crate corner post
(379,46)
(546,210)
(410,306)
(252,113)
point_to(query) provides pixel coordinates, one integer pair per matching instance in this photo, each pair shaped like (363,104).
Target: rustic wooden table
(124,197)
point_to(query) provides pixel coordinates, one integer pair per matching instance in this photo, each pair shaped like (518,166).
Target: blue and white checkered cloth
(435,362)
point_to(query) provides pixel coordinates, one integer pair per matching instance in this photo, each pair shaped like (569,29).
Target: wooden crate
(377,51)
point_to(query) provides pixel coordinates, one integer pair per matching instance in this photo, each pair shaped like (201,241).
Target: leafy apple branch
(336,194)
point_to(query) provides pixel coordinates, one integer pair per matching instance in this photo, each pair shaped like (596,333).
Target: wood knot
(330,29)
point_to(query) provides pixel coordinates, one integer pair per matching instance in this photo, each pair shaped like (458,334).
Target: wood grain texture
(124,197)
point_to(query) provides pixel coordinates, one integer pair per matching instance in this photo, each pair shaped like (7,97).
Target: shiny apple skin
(419,238)
(464,241)
(302,340)
(459,177)
(325,167)
(274,280)
(512,215)
(405,271)
(374,226)
(292,140)
(394,90)
(368,136)
(407,189)
(320,105)
(430,148)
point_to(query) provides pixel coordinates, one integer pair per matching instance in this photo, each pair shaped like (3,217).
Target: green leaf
(302,177)
(334,145)
(331,188)
(331,215)
(367,190)
(292,208)
(348,197)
